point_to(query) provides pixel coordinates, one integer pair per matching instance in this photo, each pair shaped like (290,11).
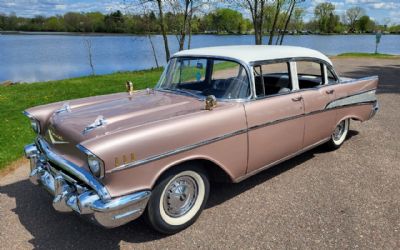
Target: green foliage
(226,21)
(221,20)
(371,55)
(365,24)
(15,128)
(326,19)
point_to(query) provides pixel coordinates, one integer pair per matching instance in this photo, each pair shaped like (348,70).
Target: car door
(316,85)
(275,119)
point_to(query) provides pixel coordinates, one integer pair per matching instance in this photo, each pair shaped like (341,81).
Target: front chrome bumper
(74,189)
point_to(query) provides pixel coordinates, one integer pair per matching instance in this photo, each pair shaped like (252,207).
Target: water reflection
(31,58)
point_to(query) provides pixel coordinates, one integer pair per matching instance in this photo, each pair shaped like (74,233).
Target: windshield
(201,77)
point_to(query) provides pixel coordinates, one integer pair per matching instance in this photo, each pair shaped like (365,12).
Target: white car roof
(253,53)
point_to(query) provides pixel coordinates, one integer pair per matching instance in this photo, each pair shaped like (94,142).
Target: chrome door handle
(329,92)
(296,99)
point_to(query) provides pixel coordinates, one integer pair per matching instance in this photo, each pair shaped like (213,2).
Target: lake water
(31,58)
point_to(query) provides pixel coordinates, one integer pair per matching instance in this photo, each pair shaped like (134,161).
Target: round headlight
(35,126)
(95,165)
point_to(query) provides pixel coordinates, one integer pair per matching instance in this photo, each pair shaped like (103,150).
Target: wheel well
(214,171)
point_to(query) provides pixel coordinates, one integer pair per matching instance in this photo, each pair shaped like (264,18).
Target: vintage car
(217,114)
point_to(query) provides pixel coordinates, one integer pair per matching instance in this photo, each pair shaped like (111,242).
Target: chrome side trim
(281,160)
(219,138)
(27,114)
(74,170)
(359,97)
(175,151)
(360,79)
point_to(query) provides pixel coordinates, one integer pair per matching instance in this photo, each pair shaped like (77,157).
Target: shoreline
(56,33)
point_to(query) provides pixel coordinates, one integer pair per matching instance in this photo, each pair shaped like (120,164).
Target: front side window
(205,76)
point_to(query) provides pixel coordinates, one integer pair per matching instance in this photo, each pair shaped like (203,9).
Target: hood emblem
(55,138)
(64,108)
(99,122)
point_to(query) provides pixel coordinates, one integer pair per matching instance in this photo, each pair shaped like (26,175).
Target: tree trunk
(257,15)
(164,33)
(153,49)
(291,8)
(272,31)
(190,25)
(183,28)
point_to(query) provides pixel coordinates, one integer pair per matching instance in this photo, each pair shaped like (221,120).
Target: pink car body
(140,136)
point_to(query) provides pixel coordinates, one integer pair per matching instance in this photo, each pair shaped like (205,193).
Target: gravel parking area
(349,198)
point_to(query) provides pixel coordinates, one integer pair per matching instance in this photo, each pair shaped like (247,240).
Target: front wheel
(178,199)
(339,134)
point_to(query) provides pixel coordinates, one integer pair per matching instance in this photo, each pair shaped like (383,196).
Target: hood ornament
(211,102)
(129,87)
(64,108)
(99,122)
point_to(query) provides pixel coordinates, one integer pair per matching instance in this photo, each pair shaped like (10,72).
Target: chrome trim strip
(348,96)
(121,202)
(282,160)
(219,138)
(246,66)
(175,151)
(74,170)
(27,114)
(360,79)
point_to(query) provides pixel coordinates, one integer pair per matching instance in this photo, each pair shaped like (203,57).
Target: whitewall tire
(339,134)
(178,199)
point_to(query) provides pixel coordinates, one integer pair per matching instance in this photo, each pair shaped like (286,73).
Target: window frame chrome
(246,66)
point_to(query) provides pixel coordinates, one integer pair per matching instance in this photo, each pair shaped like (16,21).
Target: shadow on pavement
(388,76)
(51,229)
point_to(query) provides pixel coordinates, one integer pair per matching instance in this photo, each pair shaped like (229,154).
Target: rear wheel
(339,134)
(178,199)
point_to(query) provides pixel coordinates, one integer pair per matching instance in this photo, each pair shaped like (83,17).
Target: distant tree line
(221,21)
(276,17)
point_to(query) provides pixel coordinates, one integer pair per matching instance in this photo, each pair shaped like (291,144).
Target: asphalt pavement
(343,199)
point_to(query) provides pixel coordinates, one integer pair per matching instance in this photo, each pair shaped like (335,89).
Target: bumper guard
(90,200)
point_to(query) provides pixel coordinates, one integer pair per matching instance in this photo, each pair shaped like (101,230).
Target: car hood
(112,113)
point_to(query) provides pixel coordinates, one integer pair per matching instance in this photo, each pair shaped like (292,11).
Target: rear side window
(310,74)
(272,79)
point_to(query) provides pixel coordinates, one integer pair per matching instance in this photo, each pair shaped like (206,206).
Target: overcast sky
(378,10)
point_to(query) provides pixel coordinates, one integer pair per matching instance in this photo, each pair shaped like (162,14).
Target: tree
(162,26)
(278,5)
(365,24)
(352,15)
(288,15)
(114,22)
(226,20)
(256,9)
(323,14)
(297,20)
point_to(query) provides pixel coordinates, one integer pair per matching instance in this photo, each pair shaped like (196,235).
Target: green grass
(15,131)
(370,55)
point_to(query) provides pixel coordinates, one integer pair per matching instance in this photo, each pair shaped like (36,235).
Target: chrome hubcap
(180,196)
(339,130)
